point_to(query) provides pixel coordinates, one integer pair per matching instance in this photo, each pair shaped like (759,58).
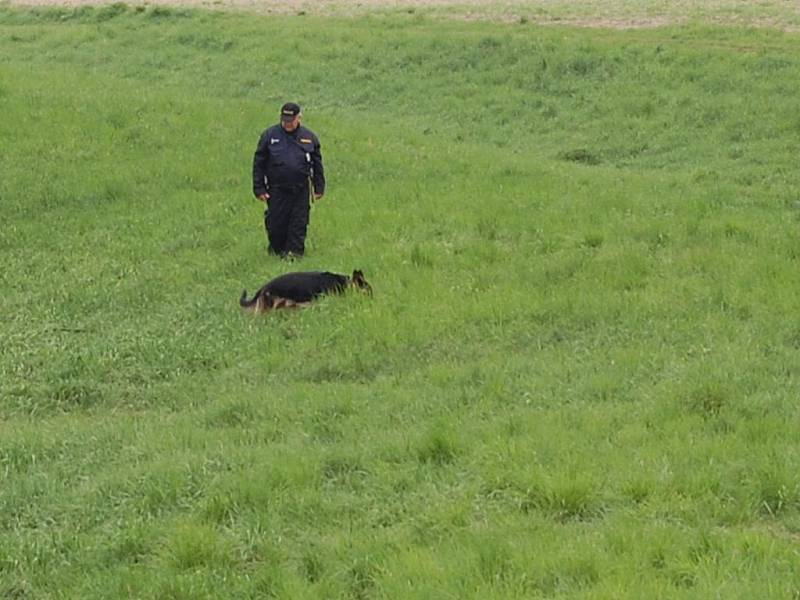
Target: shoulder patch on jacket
(306,140)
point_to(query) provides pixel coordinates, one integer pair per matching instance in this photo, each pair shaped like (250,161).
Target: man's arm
(260,167)
(317,171)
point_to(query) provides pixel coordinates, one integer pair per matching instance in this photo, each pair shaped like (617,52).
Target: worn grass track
(618,14)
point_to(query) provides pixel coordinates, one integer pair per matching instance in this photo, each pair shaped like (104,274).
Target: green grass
(577,375)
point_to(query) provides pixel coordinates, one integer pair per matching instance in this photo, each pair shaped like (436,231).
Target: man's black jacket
(286,159)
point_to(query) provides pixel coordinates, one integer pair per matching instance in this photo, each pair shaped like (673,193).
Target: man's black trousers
(286,219)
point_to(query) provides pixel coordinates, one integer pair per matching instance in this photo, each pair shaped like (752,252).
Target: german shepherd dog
(298,289)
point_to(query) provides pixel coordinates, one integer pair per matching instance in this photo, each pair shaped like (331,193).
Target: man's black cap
(289,111)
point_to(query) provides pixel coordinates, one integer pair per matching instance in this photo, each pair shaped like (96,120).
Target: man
(287,169)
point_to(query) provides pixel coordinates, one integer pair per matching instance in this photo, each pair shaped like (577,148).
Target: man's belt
(288,186)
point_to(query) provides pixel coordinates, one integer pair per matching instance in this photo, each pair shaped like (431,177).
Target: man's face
(291,125)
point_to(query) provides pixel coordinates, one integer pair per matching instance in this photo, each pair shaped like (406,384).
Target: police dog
(298,289)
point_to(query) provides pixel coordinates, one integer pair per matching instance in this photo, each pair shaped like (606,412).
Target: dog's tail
(247,304)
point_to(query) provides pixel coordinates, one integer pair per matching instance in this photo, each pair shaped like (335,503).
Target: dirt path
(780,14)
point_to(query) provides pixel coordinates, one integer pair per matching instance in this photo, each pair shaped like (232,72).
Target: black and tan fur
(298,289)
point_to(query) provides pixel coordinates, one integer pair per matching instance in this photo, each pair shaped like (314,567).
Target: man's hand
(317,196)
(264,197)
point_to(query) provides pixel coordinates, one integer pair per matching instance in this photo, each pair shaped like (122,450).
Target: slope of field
(577,376)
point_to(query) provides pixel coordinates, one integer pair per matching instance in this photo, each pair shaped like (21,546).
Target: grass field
(577,377)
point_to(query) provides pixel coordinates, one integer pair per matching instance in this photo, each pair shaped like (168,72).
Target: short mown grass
(576,377)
